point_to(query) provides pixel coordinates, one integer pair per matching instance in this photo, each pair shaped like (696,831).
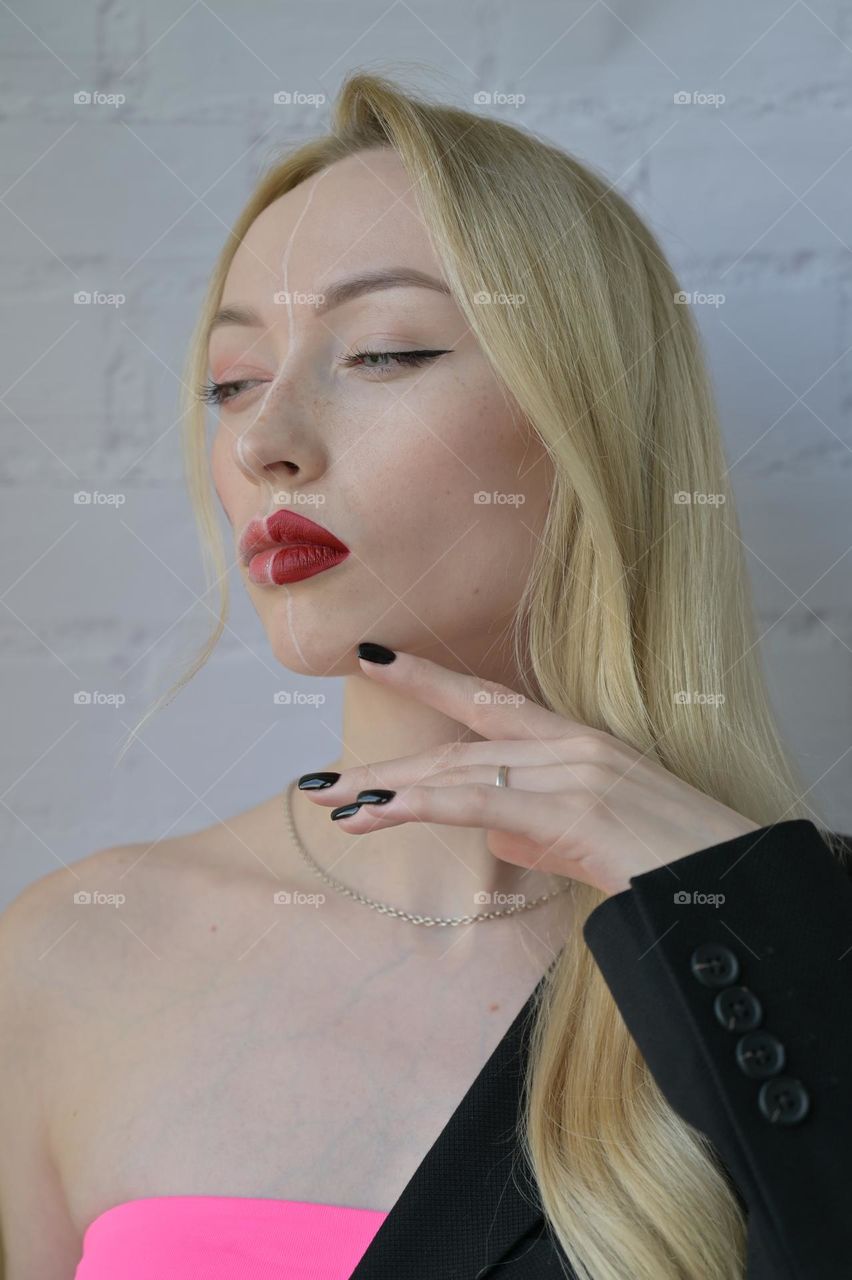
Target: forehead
(360,212)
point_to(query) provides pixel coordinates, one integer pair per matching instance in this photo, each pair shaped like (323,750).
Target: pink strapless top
(226,1238)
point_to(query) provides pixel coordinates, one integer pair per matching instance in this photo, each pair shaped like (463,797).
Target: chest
(231,1083)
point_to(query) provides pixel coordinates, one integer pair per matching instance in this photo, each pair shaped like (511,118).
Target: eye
(216,392)
(219,393)
(374,359)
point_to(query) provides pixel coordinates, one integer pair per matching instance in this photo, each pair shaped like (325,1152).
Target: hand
(579,802)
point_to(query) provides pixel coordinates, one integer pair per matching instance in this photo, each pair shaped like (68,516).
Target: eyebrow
(342,291)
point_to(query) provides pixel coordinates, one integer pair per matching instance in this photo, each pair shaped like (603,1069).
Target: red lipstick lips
(286,547)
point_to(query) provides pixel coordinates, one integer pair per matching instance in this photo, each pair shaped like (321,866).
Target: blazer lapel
(472,1197)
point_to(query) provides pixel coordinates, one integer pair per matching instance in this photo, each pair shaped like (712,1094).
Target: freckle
(492,1008)
(214,928)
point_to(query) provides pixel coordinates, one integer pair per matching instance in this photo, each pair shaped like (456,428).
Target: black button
(738,1009)
(714,964)
(759,1055)
(784,1100)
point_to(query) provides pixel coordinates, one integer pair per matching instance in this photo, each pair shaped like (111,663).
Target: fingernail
(378,796)
(344,811)
(317,781)
(375,652)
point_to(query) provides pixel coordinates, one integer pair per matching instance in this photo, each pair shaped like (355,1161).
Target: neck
(425,868)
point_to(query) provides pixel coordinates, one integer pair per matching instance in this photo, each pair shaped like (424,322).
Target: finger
(491,710)
(469,805)
(406,770)
(563,777)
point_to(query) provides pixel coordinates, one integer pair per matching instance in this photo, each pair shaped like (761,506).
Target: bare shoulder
(73,938)
(77,932)
(36,1229)
(86,951)
(51,952)
(74,921)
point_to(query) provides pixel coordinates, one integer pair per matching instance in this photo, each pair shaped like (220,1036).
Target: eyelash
(213,392)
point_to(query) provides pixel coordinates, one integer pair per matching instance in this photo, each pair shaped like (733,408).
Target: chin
(310,645)
(302,656)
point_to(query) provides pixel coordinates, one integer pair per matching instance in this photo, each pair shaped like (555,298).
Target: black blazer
(742,1010)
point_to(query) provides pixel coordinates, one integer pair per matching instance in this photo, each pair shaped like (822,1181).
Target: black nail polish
(317,781)
(375,652)
(344,811)
(377,796)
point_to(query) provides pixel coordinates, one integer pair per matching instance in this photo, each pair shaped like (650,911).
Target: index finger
(490,709)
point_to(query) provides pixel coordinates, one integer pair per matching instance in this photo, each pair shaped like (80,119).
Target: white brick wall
(102,198)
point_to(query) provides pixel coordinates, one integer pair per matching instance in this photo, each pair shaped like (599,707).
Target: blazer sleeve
(732,970)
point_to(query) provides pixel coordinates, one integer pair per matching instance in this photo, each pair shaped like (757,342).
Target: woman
(601,1029)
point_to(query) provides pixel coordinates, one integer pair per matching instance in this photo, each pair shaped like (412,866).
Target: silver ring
(502,776)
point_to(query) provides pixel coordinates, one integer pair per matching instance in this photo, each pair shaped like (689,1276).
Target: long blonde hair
(637,600)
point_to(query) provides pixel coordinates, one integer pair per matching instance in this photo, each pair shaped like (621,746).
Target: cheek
(460,507)
(226,475)
(481,467)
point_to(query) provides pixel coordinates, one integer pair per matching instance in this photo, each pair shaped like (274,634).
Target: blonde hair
(635,596)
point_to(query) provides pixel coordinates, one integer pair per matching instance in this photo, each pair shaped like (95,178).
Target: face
(389,456)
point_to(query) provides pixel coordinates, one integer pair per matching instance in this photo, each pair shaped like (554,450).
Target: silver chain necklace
(384,907)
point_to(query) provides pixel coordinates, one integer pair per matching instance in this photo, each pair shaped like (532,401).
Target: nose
(277,443)
(260,451)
